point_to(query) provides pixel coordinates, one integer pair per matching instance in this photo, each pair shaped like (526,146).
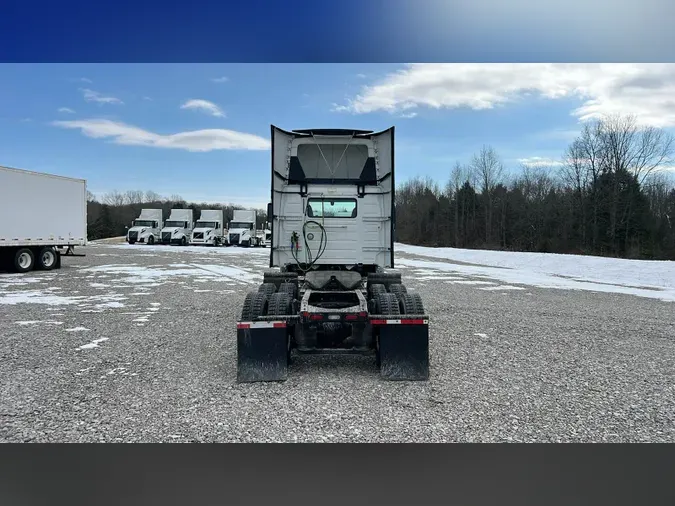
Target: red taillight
(351,317)
(316,317)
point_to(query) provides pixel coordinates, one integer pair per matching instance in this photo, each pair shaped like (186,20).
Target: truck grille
(166,237)
(234,238)
(198,235)
(133,236)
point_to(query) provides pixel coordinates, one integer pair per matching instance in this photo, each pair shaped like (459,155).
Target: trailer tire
(267,288)
(387,304)
(24,260)
(377,289)
(411,303)
(398,289)
(47,258)
(279,304)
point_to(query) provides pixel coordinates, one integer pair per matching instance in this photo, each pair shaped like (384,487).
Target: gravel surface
(139,344)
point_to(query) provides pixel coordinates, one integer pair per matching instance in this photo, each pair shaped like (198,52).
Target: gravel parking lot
(138,344)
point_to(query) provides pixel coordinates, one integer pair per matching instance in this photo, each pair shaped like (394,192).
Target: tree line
(611,194)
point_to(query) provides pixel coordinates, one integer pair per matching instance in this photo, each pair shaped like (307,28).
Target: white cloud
(407,115)
(646,90)
(95,96)
(196,140)
(361,76)
(220,79)
(147,98)
(538,161)
(205,106)
(67,110)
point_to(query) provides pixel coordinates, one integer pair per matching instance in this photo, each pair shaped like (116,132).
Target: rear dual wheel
(25,260)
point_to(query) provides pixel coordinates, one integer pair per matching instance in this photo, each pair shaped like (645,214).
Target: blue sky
(115,117)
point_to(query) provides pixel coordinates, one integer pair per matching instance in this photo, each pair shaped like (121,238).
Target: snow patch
(502,287)
(77,329)
(641,278)
(93,344)
(34,322)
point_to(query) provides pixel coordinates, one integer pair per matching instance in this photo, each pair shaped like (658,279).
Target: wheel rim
(24,260)
(48,258)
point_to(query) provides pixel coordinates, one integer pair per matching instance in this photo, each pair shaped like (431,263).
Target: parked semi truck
(209,228)
(333,287)
(42,214)
(178,228)
(243,229)
(146,228)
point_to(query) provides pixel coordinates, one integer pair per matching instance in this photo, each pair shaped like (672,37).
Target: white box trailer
(42,214)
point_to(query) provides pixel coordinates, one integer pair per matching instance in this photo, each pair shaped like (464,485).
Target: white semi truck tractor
(332,287)
(146,228)
(178,228)
(209,228)
(42,214)
(243,229)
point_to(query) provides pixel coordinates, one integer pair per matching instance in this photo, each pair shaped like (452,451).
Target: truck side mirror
(269,213)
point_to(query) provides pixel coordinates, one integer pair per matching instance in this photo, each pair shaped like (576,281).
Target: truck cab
(209,228)
(146,228)
(178,228)
(243,230)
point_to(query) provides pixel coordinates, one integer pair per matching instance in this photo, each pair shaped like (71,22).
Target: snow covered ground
(643,278)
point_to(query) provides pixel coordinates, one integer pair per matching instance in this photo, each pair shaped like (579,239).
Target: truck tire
(151,240)
(411,303)
(183,241)
(255,305)
(387,304)
(47,258)
(377,289)
(24,260)
(278,277)
(291,289)
(267,288)
(279,305)
(398,289)
(384,278)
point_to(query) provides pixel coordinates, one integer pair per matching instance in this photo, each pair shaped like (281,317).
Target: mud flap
(262,351)
(404,349)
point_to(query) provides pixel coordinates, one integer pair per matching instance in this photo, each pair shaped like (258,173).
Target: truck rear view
(333,289)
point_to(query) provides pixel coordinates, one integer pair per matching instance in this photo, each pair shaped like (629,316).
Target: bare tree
(91,197)
(151,196)
(133,197)
(113,198)
(488,170)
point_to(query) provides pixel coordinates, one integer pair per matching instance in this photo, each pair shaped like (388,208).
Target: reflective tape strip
(399,322)
(261,325)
